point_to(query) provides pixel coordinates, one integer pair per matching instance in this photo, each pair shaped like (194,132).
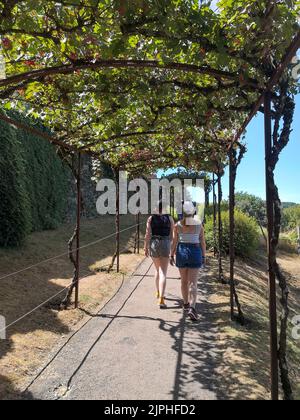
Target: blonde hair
(185,217)
(187,208)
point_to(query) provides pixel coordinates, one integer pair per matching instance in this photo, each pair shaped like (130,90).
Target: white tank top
(189,238)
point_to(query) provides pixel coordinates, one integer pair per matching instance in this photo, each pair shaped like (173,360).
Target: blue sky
(251,173)
(214,4)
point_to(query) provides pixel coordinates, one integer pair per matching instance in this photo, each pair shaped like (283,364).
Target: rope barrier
(78,330)
(34,309)
(51,298)
(65,254)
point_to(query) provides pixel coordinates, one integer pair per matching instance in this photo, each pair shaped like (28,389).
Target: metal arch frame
(265,99)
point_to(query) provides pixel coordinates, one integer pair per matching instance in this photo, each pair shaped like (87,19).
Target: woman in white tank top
(190,248)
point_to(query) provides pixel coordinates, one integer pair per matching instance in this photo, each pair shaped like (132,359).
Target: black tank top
(161,225)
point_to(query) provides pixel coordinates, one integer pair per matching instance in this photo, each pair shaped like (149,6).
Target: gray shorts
(160,247)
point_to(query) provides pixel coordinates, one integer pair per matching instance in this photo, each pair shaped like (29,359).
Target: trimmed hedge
(14,204)
(33,184)
(46,180)
(246,234)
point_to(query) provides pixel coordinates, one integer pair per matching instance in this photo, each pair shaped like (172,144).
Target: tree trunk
(220,230)
(234,298)
(284,109)
(116,256)
(215,216)
(66,302)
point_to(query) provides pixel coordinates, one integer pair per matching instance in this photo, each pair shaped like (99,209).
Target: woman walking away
(159,231)
(190,248)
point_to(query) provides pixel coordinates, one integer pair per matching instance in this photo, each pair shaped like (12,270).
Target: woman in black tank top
(158,247)
(161,225)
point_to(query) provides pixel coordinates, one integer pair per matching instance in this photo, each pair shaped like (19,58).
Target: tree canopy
(291,217)
(253,206)
(143,84)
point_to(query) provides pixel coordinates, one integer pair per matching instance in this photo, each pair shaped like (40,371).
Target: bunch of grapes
(6,44)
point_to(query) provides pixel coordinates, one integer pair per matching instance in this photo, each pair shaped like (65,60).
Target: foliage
(209,211)
(293,236)
(143,85)
(288,241)
(171,81)
(253,206)
(291,217)
(246,234)
(34,184)
(14,206)
(286,205)
(46,180)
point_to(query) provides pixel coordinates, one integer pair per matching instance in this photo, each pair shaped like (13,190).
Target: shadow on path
(211,359)
(205,349)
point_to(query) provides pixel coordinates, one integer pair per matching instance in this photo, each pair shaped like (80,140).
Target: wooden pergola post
(78,187)
(271,253)
(232,227)
(220,228)
(215,214)
(137,234)
(118,219)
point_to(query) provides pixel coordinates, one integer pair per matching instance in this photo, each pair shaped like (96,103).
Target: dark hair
(160,206)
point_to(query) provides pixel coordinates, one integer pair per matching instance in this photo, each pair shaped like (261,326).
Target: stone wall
(89,194)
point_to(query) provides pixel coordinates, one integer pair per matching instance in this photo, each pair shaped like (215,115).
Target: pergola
(190,71)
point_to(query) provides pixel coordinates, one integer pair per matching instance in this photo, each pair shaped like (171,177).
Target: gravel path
(133,350)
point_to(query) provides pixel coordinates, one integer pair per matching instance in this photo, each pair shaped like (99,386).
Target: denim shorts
(160,247)
(189,256)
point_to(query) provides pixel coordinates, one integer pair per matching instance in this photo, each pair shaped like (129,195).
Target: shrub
(289,241)
(209,210)
(293,236)
(252,206)
(246,234)
(291,217)
(287,245)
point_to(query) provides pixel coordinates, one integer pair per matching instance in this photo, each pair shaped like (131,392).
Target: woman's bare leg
(164,265)
(193,275)
(156,262)
(184,285)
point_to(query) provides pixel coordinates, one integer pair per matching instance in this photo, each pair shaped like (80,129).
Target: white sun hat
(189,208)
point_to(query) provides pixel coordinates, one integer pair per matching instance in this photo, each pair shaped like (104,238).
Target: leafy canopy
(144,84)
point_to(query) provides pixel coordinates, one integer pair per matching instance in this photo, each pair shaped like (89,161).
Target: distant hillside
(288,205)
